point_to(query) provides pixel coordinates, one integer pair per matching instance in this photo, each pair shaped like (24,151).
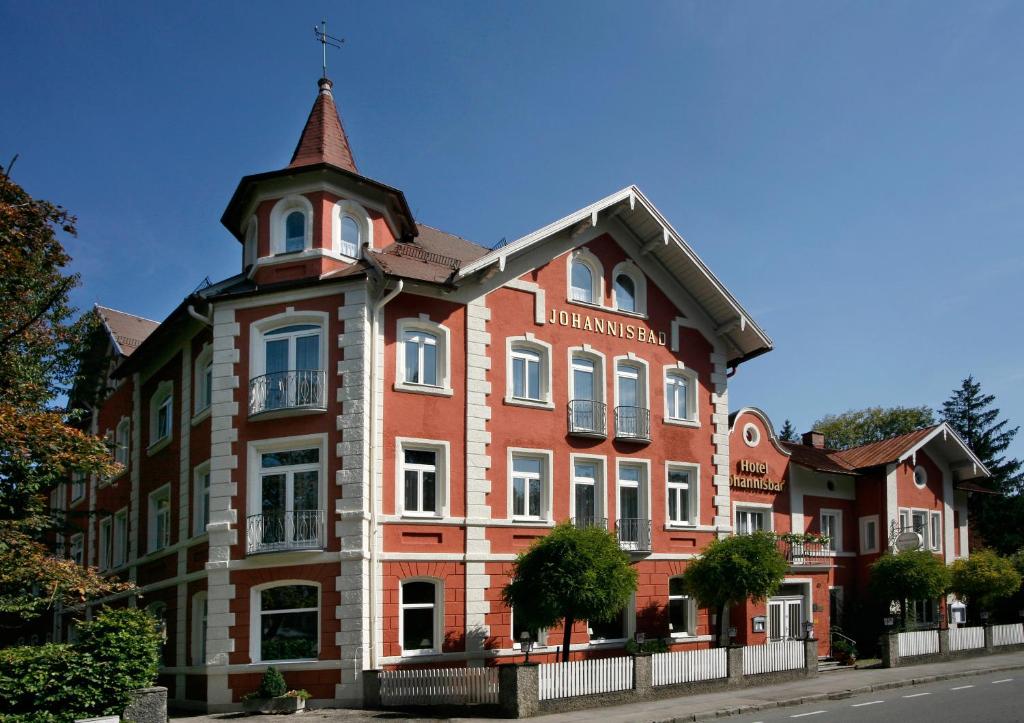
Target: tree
(788,432)
(984,579)
(873,424)
(39,444)
(733,570)
(568,575)
(907,576)
(972,414)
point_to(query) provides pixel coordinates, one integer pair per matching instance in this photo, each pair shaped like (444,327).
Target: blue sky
(852,171)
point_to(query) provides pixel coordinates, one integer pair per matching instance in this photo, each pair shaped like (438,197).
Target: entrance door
(785,619)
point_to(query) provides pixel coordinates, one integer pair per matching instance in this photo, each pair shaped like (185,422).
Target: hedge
(116,652)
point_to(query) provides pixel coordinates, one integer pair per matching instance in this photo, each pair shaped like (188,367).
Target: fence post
(371,689)
(734,664)
(944,642)
(643,674)
(518,690)
(989,641)
(890,650)
(811,657)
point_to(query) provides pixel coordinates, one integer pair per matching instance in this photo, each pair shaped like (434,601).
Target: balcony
(587,418)
(283,530)
(633,424)
(634,534)
(585,523)
(281,392)
(806,553)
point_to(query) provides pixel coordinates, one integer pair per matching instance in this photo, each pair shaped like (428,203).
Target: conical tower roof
(323,139)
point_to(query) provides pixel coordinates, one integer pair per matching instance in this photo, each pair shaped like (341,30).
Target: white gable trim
(945,430)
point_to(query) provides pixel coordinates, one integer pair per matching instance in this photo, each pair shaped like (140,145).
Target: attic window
(295,231)
(751,435)
(349,236)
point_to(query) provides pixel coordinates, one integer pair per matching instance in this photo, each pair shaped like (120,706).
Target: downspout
(208,320)
(375,311)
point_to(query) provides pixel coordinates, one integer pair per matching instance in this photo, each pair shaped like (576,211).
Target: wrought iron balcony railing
(634,534)
(583,523)
(633,424)
(587,418)
(806,553)
(294,389)
(284,530)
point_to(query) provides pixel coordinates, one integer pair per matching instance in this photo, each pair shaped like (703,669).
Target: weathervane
(320,33)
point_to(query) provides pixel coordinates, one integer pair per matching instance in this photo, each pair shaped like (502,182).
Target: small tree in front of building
(904,577)
(568,575)
(983,579)
(733,570)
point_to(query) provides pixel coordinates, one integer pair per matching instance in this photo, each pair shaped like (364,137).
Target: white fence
(689,666)
(784,655)
(966,638)
(585,677)
(922,642)
(1008,634)
(439,686)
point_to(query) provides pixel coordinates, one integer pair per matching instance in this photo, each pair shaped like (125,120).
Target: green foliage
(788,432)
(272,685)
(568,575)
(115,654)
(984,578)
(873,424)
(288,649)
(651,645)
(906,576)
(844,651)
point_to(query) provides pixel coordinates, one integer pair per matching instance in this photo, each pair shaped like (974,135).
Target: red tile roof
(127,330)
(822,460)
(323,139)
(434,256)
(888,450)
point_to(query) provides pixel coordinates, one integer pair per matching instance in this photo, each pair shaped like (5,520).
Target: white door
(785,619)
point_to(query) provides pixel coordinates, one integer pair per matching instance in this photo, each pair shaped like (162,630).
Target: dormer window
(586,278)
(625,293)
(349,236)
(630,288)
(582,282)
(291,224)
(295,232)
(351,229)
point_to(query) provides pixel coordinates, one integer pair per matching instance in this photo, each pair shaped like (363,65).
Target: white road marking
(870,702)
(916,695)
(962,687)
(1004,680)
(802,715)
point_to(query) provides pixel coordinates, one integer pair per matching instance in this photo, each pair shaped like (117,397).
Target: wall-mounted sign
(597,325)
(753,477)
(908,540)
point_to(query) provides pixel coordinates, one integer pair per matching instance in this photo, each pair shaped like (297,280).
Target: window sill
(423,389)
(419,653)
(687,526)
(607,642)
(525,522)
(284,662)
(158,445)
(608,309)
(530,403)
(201,415)
(692,423)
(420,516)
(689,638)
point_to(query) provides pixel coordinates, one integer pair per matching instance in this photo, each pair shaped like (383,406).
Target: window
(289,515)
(681,610)
(199,614)
(528,487)
(121,441)
(351,229)
(159,612)
(420,617)
(287,622)
(582,282)
(349,245)
(751,434)
(605,631)
(160,519)
(629,291)
(920,476)
(291,225)
(919,521)
(629,380)
(869,534)
(587,413)
(288,362)
(203,380)
(586,494)
(529,371)
(923,613)
(423,357)
(77,554)
(936,530)
(631,492)
(680,492)
(201,511)
(420,357)
(831,527)
(537,635)
(161,414)
(294,231)
(750,520)
(632,419)
(625,293)
(120,537)
(904,520)
(680,395)
(77,486)
(419,471)
(106,544)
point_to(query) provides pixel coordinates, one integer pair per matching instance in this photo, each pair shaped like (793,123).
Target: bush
(650,645)
(272,684)
(55,683)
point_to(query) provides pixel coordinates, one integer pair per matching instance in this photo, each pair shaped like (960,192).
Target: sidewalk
(836,685)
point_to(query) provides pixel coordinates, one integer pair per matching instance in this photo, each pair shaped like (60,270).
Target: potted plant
(273,696)
(844,651)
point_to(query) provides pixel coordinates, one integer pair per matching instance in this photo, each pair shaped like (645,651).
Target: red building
(332,457)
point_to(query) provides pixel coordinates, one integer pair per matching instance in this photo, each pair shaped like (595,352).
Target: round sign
(908,540)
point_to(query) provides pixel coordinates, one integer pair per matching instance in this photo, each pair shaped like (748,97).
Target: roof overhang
(631,211)
(955,450)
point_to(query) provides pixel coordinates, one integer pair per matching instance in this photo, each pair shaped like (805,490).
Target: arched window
(630,288)
(349,236)
(582,282)
(295,231)
(529,371)
(625,293)
(423,360)
(421,616)
(681,396)
(351,229)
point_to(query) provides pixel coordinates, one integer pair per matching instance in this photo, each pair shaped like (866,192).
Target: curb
(834,695)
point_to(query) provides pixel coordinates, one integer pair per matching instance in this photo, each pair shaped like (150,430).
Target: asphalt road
(996,698)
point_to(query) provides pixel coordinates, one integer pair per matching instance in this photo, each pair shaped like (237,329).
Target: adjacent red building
(331,458)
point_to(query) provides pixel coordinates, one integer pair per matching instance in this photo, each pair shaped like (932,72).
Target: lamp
(808,630)
(526,644)
(640,638)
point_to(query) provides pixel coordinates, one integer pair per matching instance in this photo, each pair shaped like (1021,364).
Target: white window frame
(868,544)
(163,396)
(584,256)
(357,213)
(598,359)
(755,433)
(442,474)
(78,485)
(679,371)
(278,217)
(693,493)
(258,331)
(515,346)
(256,618)
(438,608)
(203,395)
(643,378)
(106,543)
(691,612)
(200,613)
(444,364)
(254,495)
(122,442)
(600,463)
(120,545)
(836,542)
(547,467)
(643,485)
(200,498)
(541,640)
(762,507)
(935,531)
(76,549)
(639,279)
(154,544)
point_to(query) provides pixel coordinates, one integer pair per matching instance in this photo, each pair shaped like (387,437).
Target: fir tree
(788,432)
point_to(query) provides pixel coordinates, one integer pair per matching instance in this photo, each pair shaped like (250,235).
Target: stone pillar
(643,674)
(811,657)
(518,690)
(944,642)
(734,664)
(989,642)
(371,689)
(890,650)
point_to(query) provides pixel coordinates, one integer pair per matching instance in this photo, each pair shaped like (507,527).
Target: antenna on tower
(320,33)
